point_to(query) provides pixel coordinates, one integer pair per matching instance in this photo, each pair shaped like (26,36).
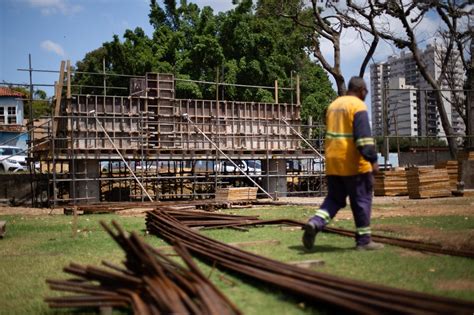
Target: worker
(351,161)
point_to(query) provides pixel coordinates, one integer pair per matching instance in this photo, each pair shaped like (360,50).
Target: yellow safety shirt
(342,156)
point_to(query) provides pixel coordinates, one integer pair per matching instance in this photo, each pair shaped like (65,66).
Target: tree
(454,17)
(242,46)
(40,105)
(324,26)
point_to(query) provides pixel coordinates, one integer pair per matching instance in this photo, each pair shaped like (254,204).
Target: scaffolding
(151,145)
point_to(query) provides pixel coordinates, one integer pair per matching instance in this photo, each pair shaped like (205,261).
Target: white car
(251,167)
(12,159)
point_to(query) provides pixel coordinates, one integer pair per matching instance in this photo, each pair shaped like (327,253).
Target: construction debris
(391,183)
(150,283)
(428,182)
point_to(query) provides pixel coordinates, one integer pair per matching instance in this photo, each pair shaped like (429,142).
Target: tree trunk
(448,129)
(341,85)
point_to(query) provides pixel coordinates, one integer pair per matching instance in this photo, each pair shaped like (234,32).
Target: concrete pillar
(85,191)
(274,184)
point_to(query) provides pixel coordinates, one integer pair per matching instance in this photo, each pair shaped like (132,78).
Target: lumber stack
(236,194)
(428,182)
(391,183)
(464,155)
(452,168)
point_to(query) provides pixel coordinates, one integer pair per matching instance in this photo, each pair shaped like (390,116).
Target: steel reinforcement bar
(349,295)
(150,283)
(208,220)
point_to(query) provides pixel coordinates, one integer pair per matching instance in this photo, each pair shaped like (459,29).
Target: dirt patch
(415,210)
(6,210)
(455,285)
(462,240)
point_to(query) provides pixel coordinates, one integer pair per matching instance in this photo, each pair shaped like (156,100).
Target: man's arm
(363,137)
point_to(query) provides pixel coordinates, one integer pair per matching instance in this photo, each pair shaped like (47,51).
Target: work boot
(370,246)
(309,235)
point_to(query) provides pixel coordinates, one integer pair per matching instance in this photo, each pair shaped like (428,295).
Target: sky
(55,30)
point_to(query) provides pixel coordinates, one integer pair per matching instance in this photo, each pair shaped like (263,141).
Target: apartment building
(402,108)
(387,79)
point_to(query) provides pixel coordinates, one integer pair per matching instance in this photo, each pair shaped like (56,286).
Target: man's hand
(375,168)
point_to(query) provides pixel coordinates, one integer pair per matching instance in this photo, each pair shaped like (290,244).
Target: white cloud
(49,7)
(51,46)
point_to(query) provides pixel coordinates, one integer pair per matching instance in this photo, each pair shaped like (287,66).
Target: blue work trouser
(359,189)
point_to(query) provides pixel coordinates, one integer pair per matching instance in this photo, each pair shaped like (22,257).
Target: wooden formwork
(152,118)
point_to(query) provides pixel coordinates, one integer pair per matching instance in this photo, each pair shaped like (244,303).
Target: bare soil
(382,207)
(455,285)
(450,239)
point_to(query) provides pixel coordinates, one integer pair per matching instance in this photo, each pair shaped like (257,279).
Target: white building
(427,120)
(402,108)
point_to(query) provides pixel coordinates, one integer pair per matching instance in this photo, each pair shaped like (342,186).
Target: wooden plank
(391,183)
(68,87)
(428,182)
(236,193)
(59,89)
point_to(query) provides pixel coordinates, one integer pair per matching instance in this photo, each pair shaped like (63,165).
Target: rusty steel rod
(150,282)
(208,220)
(350,295)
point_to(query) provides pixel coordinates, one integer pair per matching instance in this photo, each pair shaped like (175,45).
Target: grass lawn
(38,247)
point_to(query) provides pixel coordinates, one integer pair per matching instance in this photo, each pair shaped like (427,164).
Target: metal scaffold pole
(186,117)
(121,156)
(302,138)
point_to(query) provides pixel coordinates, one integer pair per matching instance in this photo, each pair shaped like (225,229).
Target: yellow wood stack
(452,168)
(428,182)
(236,194)
(391,183)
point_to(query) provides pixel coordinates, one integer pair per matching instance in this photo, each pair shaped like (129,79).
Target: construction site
(150,146)
(251,173)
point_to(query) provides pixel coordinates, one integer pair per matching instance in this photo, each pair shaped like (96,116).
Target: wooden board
(453,172)
(236,193)
(428,182)
(391,183)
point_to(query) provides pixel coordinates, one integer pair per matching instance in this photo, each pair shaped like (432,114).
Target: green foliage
(406,144)
(41,105)
(245,45)
(37,248)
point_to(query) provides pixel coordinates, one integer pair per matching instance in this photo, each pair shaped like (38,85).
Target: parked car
(12,159)
(250,167)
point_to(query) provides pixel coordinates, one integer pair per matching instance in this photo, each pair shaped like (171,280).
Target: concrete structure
(161,138)
(403,66)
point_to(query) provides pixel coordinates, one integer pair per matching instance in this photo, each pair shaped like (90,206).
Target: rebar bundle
(345,294)
(150,283)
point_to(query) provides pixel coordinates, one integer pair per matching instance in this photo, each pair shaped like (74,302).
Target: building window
(2,115)
(11,115)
